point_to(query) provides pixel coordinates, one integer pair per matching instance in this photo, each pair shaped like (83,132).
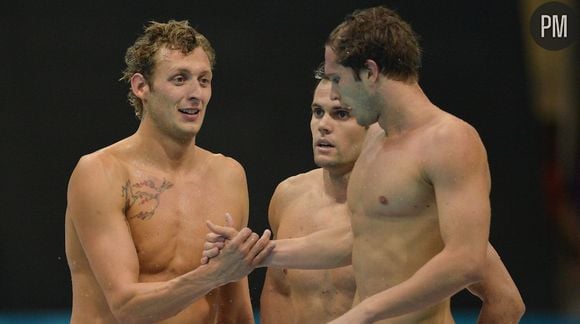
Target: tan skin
(135,220)
(419,226)
(310,202)
(324,191)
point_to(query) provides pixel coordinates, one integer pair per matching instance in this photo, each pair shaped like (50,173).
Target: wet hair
(381,35)
(319,73)
(174,35)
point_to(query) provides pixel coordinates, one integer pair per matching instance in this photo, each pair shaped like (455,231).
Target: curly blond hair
(175,35)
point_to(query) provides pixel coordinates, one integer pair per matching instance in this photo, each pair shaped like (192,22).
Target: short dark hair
(381,35)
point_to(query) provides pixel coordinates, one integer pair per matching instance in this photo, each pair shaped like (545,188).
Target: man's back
(300,207)
(165,213)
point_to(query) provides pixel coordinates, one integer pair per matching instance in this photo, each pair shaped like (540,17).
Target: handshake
(235,253)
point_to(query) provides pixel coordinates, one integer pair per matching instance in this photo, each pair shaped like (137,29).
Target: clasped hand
(251,248)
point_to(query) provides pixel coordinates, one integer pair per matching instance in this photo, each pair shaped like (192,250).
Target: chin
(324,163)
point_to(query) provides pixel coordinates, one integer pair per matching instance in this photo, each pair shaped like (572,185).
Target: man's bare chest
(167,219)
(389,181)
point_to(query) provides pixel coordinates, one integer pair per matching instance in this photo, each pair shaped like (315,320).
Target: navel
(383,200)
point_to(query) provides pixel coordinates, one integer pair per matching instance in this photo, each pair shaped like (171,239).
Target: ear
(372,71)
(139,85)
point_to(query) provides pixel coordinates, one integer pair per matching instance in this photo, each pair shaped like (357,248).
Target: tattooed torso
(165,214)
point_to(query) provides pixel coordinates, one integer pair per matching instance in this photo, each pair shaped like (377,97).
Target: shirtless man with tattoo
(136,213)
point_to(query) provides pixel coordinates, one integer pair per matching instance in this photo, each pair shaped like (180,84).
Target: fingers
(208,254)
(210,245)
(214,238)
(227,232)
(260,244)
(248,243)
(259,260)
(240,238)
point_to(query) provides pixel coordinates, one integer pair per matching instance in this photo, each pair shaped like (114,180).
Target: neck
(165,152)
(335,183)
(403,106)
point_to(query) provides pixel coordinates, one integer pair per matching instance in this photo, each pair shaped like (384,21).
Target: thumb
(226,232)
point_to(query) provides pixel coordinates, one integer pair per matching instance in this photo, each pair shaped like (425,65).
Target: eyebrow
(315,105)
(188,71)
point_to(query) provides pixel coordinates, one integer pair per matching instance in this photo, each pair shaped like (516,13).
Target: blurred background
(60,99)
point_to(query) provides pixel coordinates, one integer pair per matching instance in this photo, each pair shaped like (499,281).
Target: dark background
(60,99)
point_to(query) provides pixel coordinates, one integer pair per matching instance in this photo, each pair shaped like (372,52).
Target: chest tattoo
(145,193)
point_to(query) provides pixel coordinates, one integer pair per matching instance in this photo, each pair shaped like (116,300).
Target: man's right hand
(240,252)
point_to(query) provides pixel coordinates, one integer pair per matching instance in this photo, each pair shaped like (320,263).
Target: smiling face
(336,137)
(176,96)
(350,92)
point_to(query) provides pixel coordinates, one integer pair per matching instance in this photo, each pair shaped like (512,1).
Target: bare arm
(502,302)
(325,249)
(457,169)
(96,210)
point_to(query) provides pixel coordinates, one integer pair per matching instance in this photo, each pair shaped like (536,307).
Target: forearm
(155,301)
(502,302)
(440,278)
(325,249)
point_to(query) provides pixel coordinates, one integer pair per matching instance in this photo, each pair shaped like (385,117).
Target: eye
(335,79)
(342,114)
(317,112)
(205,81)
(178,80)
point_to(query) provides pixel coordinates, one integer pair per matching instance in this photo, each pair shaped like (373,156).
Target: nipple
(383,200)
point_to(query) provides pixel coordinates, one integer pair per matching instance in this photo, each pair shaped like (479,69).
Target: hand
(215,242)
(220,237)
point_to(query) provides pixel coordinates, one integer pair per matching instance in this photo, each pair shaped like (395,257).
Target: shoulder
(223,165)
(92,185)
(291,191)
(448,127)
(298,184)
(453,146)
(103,164)
(109,161)
(452,137)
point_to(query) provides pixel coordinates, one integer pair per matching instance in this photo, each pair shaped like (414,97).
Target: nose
(325,124)
(193,94)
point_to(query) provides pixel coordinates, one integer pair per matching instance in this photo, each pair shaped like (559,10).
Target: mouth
(189,111)
(322,143)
